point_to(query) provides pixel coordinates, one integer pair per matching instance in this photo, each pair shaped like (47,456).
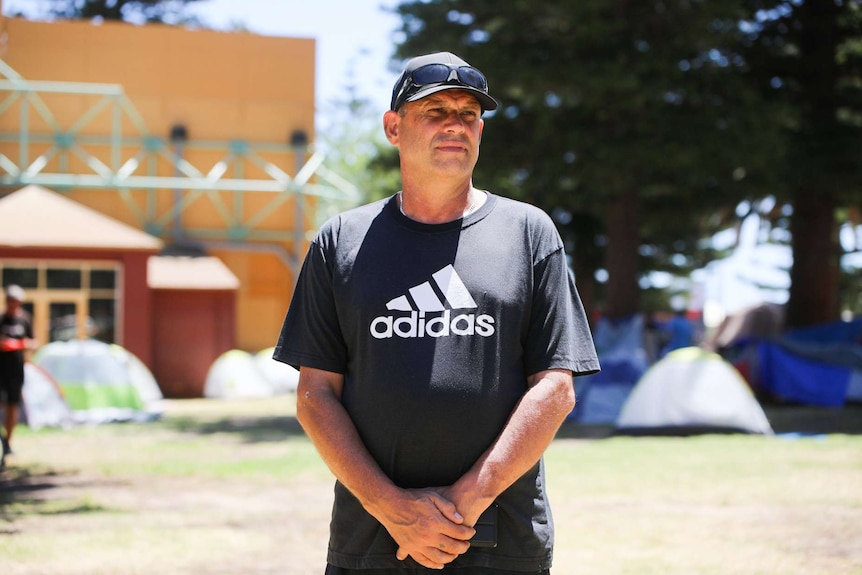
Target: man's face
(440,133)
(12,304)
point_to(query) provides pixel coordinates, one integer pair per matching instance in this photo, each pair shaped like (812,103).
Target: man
(16,335)
(437,332)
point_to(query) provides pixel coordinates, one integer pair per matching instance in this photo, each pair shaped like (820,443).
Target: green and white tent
(101,382)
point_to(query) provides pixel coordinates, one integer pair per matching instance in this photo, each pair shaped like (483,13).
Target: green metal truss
(134,154)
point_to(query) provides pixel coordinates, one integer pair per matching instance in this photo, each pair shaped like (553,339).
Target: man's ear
(391,121)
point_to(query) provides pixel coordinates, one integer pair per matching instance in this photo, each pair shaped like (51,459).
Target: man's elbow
(566,393)
(561,390)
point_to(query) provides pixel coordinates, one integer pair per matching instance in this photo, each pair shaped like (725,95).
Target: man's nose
(454,121)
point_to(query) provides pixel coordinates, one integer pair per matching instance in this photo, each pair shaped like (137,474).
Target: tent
(282,377)
(692,390)
(820,365)
(141,377)
(761,321)
(234,375)
(43,403)
(101,382)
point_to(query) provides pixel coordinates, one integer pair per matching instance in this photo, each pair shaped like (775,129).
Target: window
(63,278)
(102,314)
(26,277)
(69,299)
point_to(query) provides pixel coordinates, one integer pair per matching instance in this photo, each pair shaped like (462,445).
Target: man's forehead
(460,98)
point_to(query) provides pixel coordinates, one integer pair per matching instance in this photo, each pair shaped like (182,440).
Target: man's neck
(441,205)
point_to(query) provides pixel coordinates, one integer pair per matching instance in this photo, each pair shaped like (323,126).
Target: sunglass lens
(472,77)
(431,74)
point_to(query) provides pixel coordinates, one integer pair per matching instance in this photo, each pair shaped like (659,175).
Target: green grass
(235,487)
(708,505)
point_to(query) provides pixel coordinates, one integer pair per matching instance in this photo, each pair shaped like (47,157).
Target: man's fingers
(431,557)
(447,508)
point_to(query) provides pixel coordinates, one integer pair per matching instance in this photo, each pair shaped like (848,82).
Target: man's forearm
(519,446)
(327,424)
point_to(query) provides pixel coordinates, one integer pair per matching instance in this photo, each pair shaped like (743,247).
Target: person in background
(437,333)
(680,332)
(16,336)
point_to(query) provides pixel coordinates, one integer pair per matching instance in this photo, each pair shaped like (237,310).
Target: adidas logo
(430,305)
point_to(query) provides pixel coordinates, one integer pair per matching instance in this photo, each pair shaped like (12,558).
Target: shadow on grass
(28,491)
(784,419)
(253,429)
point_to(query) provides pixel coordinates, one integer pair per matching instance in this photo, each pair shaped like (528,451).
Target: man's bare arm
(423,523)
(530,429)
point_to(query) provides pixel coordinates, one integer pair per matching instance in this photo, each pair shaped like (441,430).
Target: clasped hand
(427,527)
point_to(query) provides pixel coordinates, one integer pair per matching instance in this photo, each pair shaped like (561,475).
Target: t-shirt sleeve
(559,336)
(311,334)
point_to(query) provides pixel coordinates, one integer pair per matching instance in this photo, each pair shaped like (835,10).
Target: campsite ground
(235,488)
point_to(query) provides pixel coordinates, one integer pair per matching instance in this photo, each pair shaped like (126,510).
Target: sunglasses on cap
(417,79)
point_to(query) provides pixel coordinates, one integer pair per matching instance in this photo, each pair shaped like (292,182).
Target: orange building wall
(222,86)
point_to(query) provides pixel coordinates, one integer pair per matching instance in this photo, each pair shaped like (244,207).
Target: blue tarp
(791,377)
(601,396)
(620,347)
(836,332)
(815,365)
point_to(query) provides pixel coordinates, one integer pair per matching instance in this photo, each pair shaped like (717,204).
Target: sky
(350,35)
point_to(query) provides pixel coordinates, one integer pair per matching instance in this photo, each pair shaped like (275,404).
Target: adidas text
(417,325)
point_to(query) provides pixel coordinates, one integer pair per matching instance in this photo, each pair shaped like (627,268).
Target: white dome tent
(282,377)
(235,375)
(692,390)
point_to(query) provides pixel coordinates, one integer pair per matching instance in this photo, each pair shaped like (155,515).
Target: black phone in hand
(486,528)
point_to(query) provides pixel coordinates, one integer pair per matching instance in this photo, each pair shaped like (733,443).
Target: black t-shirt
(436,328)
(17,326)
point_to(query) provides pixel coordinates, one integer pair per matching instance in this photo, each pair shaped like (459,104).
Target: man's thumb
(448,509)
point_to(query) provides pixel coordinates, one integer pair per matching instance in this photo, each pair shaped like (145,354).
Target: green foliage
(600,99)
(357,150)
(137,11)
(686,106)
(806,58)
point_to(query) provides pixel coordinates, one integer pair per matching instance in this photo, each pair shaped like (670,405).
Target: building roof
(35,217)
(189,273)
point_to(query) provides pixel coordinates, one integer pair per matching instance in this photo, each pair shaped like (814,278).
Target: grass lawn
(235,488)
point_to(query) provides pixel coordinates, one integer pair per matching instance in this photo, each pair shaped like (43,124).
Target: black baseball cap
(432,73)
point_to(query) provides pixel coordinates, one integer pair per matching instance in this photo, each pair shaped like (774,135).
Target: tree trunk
(586,284)
(814,292)
(623,294)
(581,235)
(814,295)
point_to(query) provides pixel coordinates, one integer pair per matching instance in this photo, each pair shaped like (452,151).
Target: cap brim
(486,101)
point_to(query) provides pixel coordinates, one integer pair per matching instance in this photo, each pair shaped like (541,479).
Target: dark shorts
(10,390)
(11,381)
(330,570)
